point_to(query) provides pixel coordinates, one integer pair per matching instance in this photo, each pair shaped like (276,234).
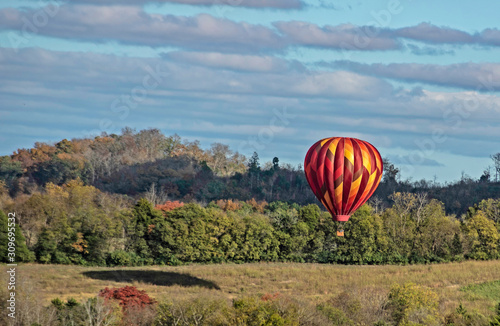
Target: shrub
(128,296)
(95,311)
(269,310)
(365,306)
(462,317)
(274,309)
(335,315)
(254,311)
(196,311)
(412,304)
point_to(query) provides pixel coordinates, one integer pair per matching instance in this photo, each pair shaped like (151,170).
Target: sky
(420,80)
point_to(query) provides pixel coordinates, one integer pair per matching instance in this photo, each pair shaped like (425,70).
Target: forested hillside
(158,167)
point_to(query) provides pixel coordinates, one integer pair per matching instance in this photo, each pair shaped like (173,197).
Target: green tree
(310,215)
(434,234)
(10,170)
(143,215)
(491,209)
(8,232)
(456,247)
(276,162)
(364,240)
(390,172)
(57,171)
(172,145)
(482,237)
(46,247)
(253,163)
(65,146)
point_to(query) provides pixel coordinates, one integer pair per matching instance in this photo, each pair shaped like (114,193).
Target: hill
(148,163)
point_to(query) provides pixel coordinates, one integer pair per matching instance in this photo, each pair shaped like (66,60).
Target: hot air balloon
(343,173)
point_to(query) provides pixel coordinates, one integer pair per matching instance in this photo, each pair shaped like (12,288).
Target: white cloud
(131,25)
(342,37)
(475,76)
(241,62)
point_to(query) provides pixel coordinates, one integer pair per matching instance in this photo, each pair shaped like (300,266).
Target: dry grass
(313,282)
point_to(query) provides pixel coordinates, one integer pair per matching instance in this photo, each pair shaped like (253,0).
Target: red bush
(128,296)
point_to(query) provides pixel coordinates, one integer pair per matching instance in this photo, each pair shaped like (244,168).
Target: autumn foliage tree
(169,205)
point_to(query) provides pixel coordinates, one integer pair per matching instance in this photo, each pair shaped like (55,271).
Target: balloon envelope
(343,174)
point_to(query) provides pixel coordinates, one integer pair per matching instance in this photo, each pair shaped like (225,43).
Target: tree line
(79,224)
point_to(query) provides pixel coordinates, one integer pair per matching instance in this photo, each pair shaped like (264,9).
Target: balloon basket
(340,231)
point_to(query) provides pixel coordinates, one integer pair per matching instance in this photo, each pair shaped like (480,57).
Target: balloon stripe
(348,174)
(320,165)
(311,170)
(364,197)
(366,157)
(329,184)
(339,176)
(354,192)
(365,174)
(378,170)
(357,176)
(373,160)
(328,203)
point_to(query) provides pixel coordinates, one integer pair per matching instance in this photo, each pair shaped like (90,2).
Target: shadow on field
(151,277)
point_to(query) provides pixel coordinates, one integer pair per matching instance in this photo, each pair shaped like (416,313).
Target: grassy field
(474,283)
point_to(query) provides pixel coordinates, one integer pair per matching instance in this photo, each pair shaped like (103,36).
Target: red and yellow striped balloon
(343,174)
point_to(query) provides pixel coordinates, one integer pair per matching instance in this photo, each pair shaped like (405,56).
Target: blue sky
(418,79)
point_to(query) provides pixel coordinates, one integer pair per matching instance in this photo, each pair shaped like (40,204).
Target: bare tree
(496,162)
(377,203)
(219,158)
(155,195)
(421,202)
(391,172)
(98,313)
(30,309)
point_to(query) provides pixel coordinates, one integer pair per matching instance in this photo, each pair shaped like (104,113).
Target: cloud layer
(473,76)
(129,24)
(273,4)
(209,86)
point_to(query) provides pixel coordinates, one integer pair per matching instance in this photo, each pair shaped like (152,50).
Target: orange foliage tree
(229,205)
(258,206)
(169,205)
